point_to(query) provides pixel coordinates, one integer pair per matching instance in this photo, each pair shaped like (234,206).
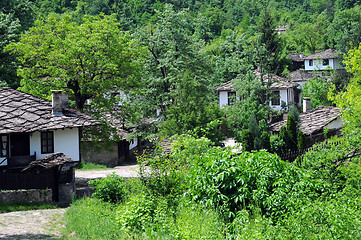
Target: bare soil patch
(36,224)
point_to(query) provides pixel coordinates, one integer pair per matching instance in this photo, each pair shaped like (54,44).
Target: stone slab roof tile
(21,112)
(313,120)
(278,83)
(327,54)
(296,57)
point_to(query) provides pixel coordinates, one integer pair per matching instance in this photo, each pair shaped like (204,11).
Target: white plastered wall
(65,141)
(283,98)
(318,65)
(335,124)
(223,99)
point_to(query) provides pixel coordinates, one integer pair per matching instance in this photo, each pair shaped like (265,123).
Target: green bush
(165,175)
(261,180)
(338,218)
(246,140)
(301,140)
(109,189)
(277,145)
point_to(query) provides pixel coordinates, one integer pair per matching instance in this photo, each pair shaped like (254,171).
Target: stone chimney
(306,104)
(59,101)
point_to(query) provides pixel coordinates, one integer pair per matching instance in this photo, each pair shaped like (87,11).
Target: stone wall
(90,154)
(33,195)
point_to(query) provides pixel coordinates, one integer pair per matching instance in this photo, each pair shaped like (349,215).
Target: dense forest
(166,58)
(179,51)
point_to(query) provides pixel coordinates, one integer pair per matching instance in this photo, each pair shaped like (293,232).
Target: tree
(172,53)
(9,32)
(301,140)
(252,102)
(292,132)
(192,112)
(90,60)
(268,45)
(317,89)
(349,100)
(345,30)
(16,16)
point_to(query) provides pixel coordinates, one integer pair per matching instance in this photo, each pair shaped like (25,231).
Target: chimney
(59,101)
(306,104)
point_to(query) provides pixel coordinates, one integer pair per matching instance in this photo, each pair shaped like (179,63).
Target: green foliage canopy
(90,59)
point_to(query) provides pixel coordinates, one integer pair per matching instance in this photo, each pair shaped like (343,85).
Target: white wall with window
(322,64)
(65,141)
(227,98)
(280,96)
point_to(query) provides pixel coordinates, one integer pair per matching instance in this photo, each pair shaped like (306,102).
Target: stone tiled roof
(296,57)
(21,112)
(49,161)
(228,86)
(300,76)
(327,54)
(313,120)
(278,83)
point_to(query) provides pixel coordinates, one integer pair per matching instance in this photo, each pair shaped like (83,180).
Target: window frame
(6,148)
(325,62)
(276,98)
(231,96)
(310,63)
(49,146)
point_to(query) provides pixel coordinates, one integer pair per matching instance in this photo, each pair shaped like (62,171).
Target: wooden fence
(46,179)
(292,155)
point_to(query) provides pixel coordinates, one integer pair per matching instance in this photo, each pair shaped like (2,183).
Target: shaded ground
(36,224)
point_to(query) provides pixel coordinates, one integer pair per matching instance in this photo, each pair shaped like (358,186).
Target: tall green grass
(91,218)
(24,206)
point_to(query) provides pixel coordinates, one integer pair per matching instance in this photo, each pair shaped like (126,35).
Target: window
(231,98)
(325,62)
(276,99)
(47,142)
(310,63)
(4,145)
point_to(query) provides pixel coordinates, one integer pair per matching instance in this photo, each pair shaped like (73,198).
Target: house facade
(325,60)
(315,121)
(283,91)
(32,128)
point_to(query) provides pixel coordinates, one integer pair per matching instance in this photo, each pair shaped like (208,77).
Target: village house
(116,152)
(32,128)
(325,60)
(315,121)
(284,92)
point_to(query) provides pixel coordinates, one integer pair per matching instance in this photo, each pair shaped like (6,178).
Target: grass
(24,206)
(91,166)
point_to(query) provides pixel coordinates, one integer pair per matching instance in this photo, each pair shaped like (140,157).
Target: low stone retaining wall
(33,195)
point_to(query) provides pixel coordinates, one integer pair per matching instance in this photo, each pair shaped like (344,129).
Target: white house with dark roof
(284,91)
(314,121)
(32,128)
(324,60)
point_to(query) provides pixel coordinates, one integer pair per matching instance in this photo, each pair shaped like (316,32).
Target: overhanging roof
(22,112)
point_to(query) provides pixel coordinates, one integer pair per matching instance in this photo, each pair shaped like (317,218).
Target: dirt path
(126,171)
(36,224)
(47,224)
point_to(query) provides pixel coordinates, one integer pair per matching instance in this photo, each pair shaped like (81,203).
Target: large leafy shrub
(109,189)
(261,180)
(165,174)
